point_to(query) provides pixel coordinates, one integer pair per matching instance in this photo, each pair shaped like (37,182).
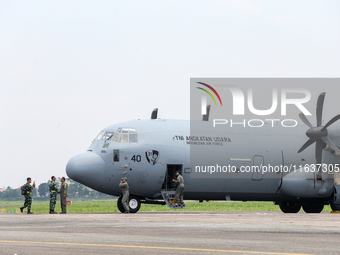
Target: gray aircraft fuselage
(196,146)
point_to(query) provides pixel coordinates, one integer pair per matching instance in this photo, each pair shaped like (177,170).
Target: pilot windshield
(104,135)
(125,135)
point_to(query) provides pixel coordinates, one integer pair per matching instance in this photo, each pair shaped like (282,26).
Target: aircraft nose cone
(85,168)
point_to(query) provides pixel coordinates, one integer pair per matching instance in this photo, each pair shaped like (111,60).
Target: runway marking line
(152,247)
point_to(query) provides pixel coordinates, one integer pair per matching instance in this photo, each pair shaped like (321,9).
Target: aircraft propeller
(319,134)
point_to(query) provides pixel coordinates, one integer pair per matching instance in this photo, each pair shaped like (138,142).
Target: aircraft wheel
(289,208)
(134,204)
(313,208)
(120,205)
(331,203)
(334,206)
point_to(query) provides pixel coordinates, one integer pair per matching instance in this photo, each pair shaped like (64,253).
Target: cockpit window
(116,135)
(125,135)
(104,135)
(99,137)
(124,138)
(107,135)
(133,135)
(132,131)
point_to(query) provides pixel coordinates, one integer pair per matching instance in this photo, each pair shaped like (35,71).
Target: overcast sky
(70,68)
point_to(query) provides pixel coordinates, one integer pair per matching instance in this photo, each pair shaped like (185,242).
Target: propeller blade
(330,143)
(304,119)
(319,106)
(334,119)
(318,152)
(308,143)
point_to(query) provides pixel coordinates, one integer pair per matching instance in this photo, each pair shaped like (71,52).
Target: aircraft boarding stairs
(169,198)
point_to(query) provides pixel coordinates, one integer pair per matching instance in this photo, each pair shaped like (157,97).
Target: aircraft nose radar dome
(85,168)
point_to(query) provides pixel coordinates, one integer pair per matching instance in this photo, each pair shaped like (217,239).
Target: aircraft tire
(334,206)
(289,208)
(313,208)
(119,205)
(134,204)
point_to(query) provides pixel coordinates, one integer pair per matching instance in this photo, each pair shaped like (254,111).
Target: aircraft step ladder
(169,198)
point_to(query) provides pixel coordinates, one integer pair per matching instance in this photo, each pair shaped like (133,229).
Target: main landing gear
(289,207)
(313,208)
(134,204)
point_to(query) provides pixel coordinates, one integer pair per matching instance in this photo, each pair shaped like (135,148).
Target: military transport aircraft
(148,152)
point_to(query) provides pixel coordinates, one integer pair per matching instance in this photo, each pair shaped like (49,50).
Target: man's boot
(22,209)
(53,212)
(29,212)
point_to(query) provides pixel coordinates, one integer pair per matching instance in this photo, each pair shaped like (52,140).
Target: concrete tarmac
(171,233)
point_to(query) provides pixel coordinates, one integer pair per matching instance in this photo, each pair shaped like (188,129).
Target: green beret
(124,178)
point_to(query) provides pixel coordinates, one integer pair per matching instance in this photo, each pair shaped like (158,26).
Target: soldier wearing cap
(53,194)
(125,192)
(179,182)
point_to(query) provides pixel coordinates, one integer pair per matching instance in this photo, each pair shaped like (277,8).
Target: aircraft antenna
(154,114)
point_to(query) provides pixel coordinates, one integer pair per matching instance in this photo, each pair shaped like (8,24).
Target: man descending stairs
(174,199)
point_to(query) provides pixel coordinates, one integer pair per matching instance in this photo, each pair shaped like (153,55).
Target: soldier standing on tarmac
(53,195)
(63,195)
(125,192)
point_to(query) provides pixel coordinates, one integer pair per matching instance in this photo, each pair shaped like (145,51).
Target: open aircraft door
(169,188)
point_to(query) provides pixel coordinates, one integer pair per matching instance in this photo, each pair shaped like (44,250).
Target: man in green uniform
(28,196)
(63,195)
(53,194)
(180,187)
(125,192)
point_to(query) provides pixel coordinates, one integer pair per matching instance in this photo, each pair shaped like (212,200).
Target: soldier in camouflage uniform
(63,195)
(180,188)
(125,192)
(28,196)
(53,194)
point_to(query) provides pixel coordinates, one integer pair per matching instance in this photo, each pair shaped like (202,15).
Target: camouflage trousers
(53,200)
(28,202)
